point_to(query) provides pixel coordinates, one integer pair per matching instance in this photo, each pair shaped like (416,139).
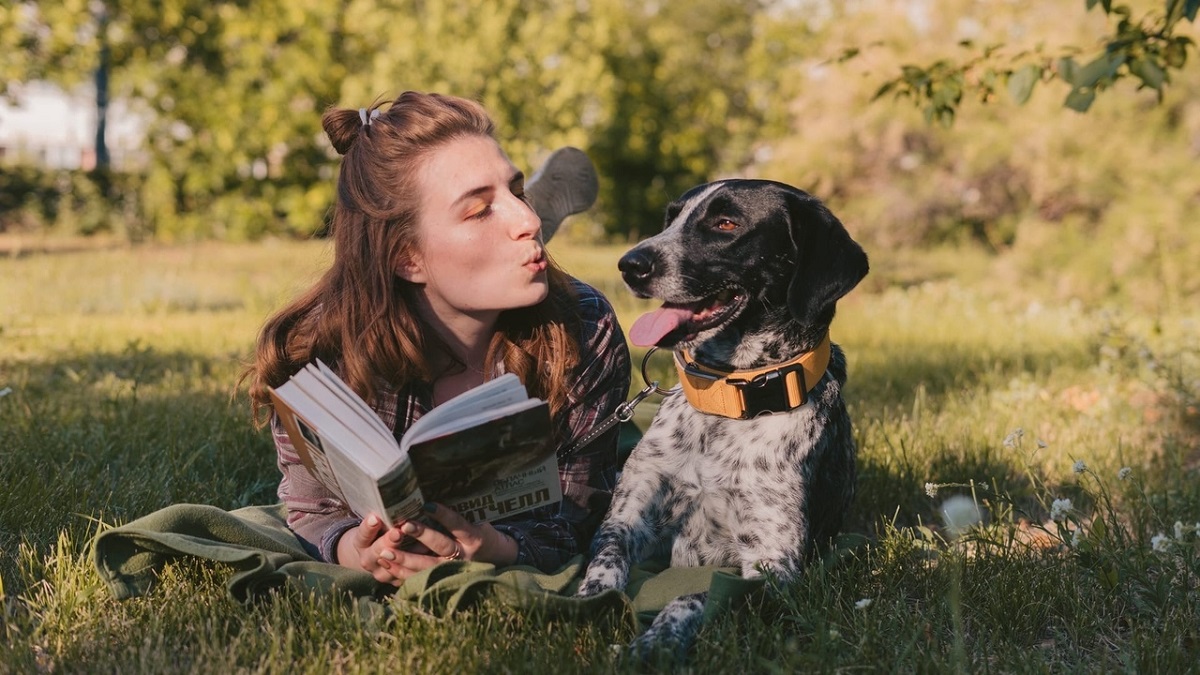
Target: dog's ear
(829,264)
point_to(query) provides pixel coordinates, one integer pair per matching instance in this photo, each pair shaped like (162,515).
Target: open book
(485,453)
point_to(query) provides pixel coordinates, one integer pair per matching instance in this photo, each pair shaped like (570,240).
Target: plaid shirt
(546,537)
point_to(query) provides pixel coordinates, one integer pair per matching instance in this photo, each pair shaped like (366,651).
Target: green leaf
(1149,73)
(1190,8)
(1101,68)
(1021,82)
(1109,577)
(1080,100)
(1175,54)
(884,90)
(1067,69)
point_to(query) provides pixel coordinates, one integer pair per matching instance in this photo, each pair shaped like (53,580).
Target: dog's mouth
(677,322)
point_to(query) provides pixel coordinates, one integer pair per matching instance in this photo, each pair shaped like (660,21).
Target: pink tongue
(651,327)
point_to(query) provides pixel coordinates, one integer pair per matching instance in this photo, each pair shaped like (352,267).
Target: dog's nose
(636,266)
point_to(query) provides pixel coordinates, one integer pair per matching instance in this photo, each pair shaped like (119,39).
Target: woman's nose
(527,224)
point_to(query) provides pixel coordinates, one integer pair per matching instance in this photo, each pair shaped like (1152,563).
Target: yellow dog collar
(744,394)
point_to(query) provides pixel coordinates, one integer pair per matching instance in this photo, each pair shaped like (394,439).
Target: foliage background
(662,95)
(1031,268)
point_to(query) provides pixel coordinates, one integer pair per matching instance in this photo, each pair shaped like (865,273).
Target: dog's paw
(673,631)
(595,584)
(605,571)
(654,646)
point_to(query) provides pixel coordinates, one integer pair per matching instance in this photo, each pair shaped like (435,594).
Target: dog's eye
(726,225)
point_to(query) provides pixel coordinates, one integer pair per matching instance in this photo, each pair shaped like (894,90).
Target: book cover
(496,469)
(485,453)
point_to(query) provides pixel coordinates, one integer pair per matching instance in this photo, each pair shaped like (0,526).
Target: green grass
(122,365)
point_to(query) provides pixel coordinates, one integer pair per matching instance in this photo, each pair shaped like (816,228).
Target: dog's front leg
(635,522)
(773,530)
(674,629)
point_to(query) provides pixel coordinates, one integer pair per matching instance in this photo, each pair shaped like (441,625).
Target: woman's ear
(411,268)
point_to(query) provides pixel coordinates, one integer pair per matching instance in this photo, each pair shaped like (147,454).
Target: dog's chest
(719,454)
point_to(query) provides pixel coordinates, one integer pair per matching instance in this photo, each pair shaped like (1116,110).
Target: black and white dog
(750,272)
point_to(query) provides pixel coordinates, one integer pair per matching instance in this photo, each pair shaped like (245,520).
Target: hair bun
(342,126)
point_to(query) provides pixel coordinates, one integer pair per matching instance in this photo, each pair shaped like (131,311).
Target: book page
(378,452)
(334,451)
(349,396)
(451,425)
(503,390)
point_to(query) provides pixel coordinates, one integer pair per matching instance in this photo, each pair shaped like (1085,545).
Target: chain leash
(624,412)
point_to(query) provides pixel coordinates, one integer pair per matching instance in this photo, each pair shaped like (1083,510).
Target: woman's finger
(402,565)
(435,543)
(458,526)
(368,531)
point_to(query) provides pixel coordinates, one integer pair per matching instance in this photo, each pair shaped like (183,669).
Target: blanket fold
(261,553)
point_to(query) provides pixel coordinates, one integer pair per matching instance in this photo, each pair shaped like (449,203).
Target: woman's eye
(482,213)
(726,225)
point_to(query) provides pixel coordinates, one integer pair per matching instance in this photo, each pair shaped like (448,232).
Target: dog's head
(737,255)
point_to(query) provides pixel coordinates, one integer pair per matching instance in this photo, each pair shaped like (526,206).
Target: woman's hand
(465,541)
(364,546)
(379,552)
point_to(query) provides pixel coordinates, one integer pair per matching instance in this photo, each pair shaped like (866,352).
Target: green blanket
(261,553)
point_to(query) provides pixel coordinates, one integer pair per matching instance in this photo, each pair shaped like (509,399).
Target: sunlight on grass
(119,369)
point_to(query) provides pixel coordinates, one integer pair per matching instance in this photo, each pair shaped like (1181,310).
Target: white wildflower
(1059,509)
(1042,445)
(1010,441)
(1080,466)
(1160,542)
(5,392)
(1178,530)
(863,604)
(1124,473)
(959,513)
(931,489)
(1076,538)
(1197,528)
(835,634)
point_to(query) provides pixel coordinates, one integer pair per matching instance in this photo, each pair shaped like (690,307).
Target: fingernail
(386,554)
(430,507)
(409,528)
(372,521)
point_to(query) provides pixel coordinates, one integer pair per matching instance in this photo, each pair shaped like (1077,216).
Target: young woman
(440,282)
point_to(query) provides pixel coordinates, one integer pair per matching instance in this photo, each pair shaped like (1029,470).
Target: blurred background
(186,120)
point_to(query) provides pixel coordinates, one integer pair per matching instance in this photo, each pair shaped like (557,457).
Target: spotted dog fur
(759,494)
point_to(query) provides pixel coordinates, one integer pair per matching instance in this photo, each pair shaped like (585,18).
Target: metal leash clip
(624,412)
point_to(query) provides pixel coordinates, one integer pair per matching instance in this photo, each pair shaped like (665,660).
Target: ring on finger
(456,555)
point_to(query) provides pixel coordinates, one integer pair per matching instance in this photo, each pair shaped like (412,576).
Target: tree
(1147,49)
(663,96)
(230,91)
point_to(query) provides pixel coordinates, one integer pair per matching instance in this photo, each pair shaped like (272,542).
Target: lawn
(1071,430)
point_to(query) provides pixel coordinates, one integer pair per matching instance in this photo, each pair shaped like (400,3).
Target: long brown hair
(361,315)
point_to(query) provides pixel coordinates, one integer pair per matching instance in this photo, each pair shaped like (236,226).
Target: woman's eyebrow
(517,177)
(479,191)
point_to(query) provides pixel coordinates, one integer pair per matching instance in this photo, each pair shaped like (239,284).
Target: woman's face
(478,248)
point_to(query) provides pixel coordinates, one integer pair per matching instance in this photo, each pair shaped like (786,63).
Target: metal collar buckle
(768,392)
